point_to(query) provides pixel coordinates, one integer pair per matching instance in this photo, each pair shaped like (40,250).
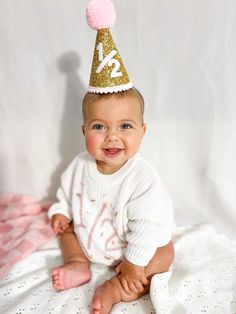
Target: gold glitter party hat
(108,74)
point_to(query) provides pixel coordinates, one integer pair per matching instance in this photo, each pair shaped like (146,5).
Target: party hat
(108,74)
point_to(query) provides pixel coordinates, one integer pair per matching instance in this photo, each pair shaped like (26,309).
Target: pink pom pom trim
(100,14)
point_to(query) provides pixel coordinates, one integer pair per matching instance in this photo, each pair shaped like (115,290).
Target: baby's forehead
(119,109)
(130,97)
(91,99)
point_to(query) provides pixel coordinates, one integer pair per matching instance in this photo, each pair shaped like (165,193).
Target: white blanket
(201,280)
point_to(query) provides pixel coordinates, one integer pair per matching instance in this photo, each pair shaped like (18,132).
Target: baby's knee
(69,229)
(161,261)
(168,252)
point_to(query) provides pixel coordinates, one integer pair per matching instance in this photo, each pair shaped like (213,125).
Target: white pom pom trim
(110,89)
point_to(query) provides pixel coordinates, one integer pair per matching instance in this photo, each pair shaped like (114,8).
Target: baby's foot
(70,275)
(110,293)
(104,298)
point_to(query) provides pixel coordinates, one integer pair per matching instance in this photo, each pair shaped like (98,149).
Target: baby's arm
(150,218)
(59,223)
(132,277)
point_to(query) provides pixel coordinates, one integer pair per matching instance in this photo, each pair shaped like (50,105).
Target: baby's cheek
(133,144)
(92,143)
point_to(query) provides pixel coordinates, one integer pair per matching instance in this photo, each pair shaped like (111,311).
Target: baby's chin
(109,167)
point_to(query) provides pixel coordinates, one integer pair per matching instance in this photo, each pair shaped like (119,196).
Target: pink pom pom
(100,14)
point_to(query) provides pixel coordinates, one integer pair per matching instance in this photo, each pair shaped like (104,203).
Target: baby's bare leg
(75,270)
(112,292)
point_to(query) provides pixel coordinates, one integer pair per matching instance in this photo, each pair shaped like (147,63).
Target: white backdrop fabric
(180,54)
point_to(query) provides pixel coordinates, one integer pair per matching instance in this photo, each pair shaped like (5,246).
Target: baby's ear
(144,127)
(83,129)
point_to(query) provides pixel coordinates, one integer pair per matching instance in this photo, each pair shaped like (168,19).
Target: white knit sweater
(124,213)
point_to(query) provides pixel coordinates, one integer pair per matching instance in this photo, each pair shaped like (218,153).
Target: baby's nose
(111,137)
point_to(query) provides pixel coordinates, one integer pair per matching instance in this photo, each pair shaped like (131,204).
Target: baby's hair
(132,92)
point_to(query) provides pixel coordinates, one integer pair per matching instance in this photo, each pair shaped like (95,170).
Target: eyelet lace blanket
(202,279)
(24,227)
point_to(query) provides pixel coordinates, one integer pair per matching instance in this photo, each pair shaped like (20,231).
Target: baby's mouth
(112,151)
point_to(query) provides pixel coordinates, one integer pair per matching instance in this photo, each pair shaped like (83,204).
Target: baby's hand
(132,277)
(59,223)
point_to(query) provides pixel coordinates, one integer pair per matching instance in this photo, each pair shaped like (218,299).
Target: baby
(112,207)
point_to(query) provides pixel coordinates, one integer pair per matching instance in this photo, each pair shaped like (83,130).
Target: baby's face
(113,131)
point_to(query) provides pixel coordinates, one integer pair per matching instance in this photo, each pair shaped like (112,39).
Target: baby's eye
(126,126)
(98,127)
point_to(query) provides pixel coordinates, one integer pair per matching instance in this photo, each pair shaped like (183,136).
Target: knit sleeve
(150,224)
(64,193)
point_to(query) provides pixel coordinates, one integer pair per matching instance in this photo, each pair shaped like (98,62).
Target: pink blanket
(24,227)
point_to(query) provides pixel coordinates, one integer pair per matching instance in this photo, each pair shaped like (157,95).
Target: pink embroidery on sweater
(90,238)
(107,220)
(115,248)
(112,237)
